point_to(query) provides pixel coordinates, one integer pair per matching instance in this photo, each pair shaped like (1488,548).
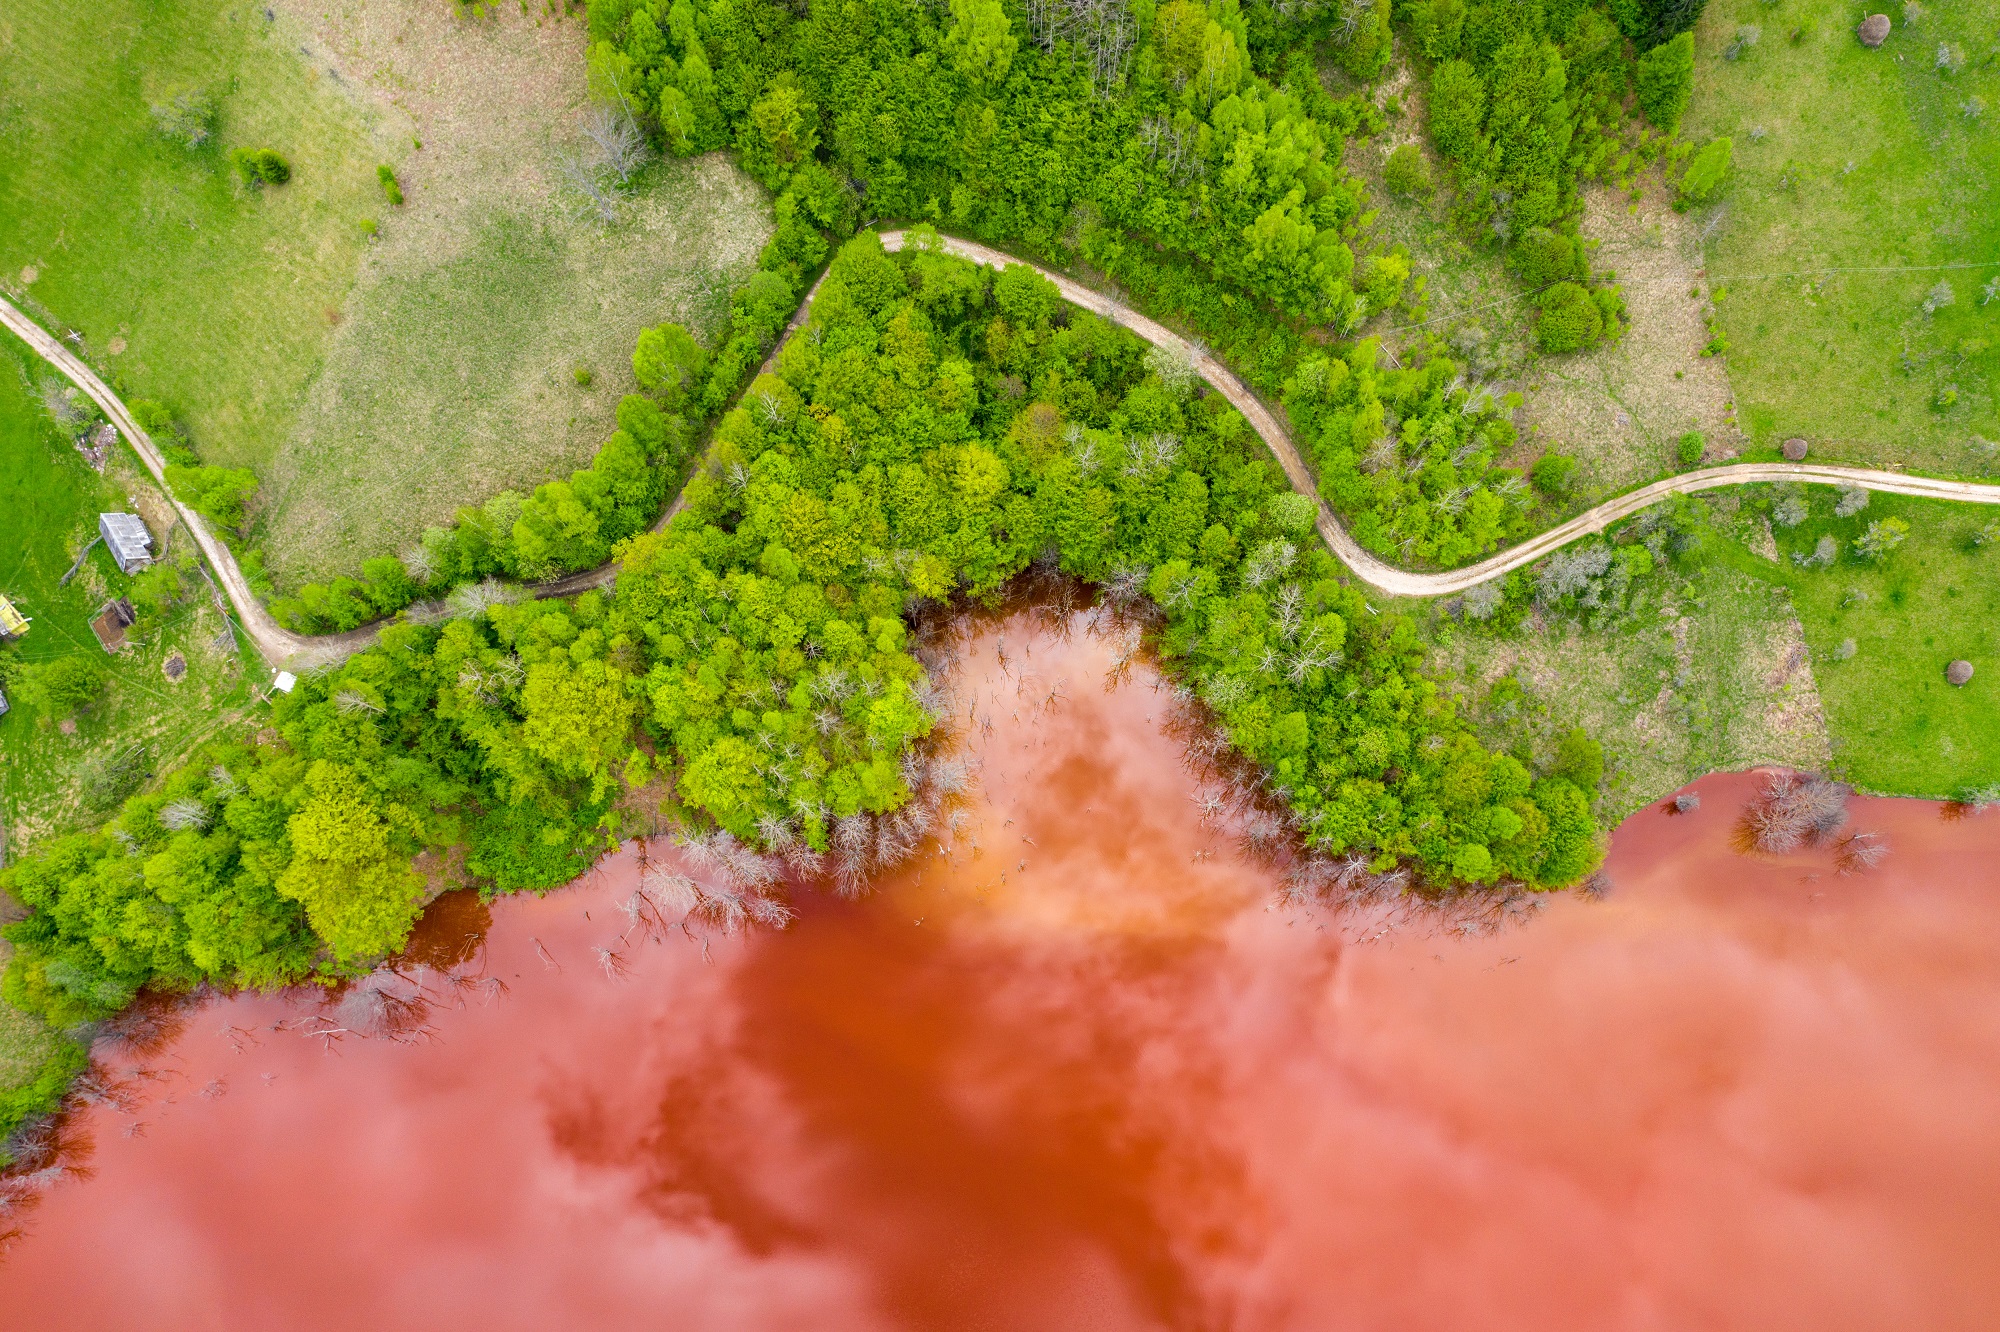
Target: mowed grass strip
(215,298)
(1898,727)
(51,499)
(1850,158)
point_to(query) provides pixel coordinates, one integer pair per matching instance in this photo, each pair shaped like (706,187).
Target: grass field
(52,498)
(1897,726)
(1850,159)
(186,286)
(373,385)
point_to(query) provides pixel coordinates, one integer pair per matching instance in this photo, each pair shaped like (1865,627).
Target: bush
(1458,109)
(392,190)
(260,167)
(1553,473)
(668,361)
(67,685)
(1365,51)
(219,494)
(1543,257)
(1690,449)
(1881,539)
(1666,78)
(1580,759)
(1704,174)
(44,1093)
(1406,173)
(1570,319)
(1438,26)
(189,119)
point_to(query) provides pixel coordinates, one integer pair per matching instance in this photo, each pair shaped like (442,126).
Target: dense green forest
(932,431)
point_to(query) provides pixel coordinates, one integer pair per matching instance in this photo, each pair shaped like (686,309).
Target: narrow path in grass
(282,647)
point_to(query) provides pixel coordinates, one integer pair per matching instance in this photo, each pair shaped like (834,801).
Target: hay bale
(1959,672)
(1795,449)
(1874,30)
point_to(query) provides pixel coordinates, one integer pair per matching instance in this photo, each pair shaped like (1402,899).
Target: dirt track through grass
(184,285)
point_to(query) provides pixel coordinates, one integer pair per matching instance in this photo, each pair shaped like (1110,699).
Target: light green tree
(981,41)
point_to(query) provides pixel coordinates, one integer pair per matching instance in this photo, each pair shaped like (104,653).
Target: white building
(126,537)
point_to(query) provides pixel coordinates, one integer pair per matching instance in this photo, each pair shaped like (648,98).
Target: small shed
(114,617)
(13,624)
(3,702)
(284,681)
(126,536)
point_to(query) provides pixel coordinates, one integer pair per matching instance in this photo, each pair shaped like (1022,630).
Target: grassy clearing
(1897,726)
(452,374)
(1621,408)
(1708,673)
(186,286)
(52,499)
(1848,158)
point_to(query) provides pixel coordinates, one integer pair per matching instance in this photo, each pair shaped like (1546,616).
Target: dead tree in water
(1796,810)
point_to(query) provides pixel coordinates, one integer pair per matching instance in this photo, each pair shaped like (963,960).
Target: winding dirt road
(281,647)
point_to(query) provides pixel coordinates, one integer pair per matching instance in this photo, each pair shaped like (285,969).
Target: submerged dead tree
(1796,810)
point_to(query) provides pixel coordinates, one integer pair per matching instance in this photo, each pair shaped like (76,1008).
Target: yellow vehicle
(12,623)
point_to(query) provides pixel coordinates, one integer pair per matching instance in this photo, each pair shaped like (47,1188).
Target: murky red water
(1090,1078)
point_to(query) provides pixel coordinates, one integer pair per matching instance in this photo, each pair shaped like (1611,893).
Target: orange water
(1089,1077)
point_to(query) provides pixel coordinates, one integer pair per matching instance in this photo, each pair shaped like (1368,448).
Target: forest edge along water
(1077,1065)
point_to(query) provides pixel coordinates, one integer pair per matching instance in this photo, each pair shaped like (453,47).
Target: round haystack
(1795,449)
(1959,671)
(1874,30)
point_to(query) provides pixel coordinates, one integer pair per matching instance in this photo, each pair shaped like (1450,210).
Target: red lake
(1083,1072)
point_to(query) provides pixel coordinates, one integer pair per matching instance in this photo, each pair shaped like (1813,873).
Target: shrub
(188,119)
(668,361)
(1542,257)
(66,685)
(1666,78)
(260,167)
(1704,174)
(218,494)
(1363,37)
(1570,320)
(1406,173)
(1881,539)
(1580,760)
(1458,109)
(390,189)
(1690,448)
(1553,473)
(1438,26)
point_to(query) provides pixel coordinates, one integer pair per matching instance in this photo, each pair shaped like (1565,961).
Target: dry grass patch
(452,372)
(1713,679)
(1621,407)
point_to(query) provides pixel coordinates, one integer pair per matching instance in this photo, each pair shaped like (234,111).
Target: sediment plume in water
(1089,1059)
